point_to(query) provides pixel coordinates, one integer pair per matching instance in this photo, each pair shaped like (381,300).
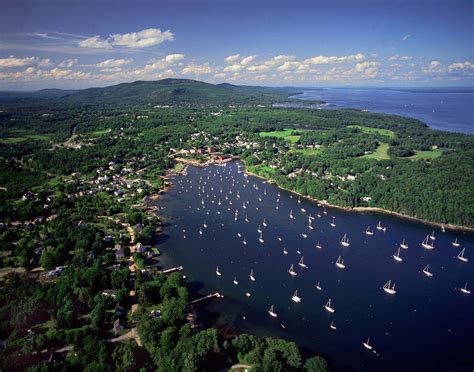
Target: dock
(172,270)
(212,295)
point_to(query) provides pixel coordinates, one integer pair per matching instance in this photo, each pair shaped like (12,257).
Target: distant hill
(177,91)
(43,94)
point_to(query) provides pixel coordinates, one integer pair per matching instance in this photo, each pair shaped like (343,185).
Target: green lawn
(309,151)
(37,137)
(381,153)
(429,154)
(382,132)
(98,133)
(286,134)
(262,170)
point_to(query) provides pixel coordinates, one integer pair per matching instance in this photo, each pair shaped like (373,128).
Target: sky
(78,44)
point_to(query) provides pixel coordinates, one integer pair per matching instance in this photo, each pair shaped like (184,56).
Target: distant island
(81,277)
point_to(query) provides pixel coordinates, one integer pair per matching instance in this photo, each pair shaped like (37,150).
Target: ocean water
(426,325)
(441,108)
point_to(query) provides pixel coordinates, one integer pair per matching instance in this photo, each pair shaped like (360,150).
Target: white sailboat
(292,271)
(332,326)
(340,263)
(403,244)
(456,243)
(235,281)
(432,236)
(302,264)
(367,344)
(217,271)
(244,242)
(239,235)
(426,243)
(285,251)
(204,225)
(200,231)
(464,289)
(304,236)
(252,278)
(271,312)
(368,231)
(318,286)
(259,229)
(328,306)
(291,214)
(264,223)
(345,241)
(389,288)
(461,255)
(295,297)
(260,239)
(380,227)
(427,272)
(333,224)
(279,239)
(318,245)
(397,256)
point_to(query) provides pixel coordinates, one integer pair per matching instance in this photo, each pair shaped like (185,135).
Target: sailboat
(259,229)
(461,255)
(285,251)
(260,239)
(292,271)
(304,236)
(345,241)
(302,264)
(271,312)
(426,243)
(367,344)
(279,239)
(456,243)
(380,227)
(239,235)
(340,263)
(432,236)
(217,271)
(403,244)
(246,219)
(204,225)
(389,288)
(295,297)
(442,228)
(291,214)
(332,326)
(310,226)
(318,245)
(264,223)
(368,231)
(235,281)
(464,289)
(427,272)
(303,210)
(244,242)
(318,286)
(328,306)
(252,278)
(200,231)
(333,224)
(396,256)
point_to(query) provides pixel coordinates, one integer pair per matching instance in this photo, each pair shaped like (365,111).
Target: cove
(426,325)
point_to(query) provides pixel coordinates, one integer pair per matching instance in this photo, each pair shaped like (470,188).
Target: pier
(212,295)
(172,270)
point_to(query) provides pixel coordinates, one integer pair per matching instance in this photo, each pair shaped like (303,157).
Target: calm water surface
(441,108)
(427,325)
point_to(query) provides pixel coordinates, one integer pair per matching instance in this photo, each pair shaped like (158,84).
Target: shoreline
(374,210)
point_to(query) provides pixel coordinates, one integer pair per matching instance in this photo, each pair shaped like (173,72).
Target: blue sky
(75,44)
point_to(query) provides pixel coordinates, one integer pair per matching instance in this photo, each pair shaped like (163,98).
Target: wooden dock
(212,295)
(172,270)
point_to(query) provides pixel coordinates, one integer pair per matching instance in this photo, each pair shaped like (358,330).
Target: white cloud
(141,39)
(195,69)
(396,57)
(461,66)
(34,74)
(321,60)
(270,63)
(233,68)
(110,63)
(247,60)
(232,58)
(68,63)
(406,37)
(22,62)
(433,67)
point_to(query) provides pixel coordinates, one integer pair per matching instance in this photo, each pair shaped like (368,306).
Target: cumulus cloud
(433,67)
(232,58)
(68,63)
(160,64)
(270,63)
(110,63)
(461,67)
(195,69)
(322,60)
(22,62)
(34,74)
(396,57)
(141,39)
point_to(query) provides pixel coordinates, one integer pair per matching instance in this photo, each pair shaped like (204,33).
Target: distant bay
(449,109)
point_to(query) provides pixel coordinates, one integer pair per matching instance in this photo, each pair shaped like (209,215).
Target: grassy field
(309,151)
(36,137)
(381,153)
(99,133)
(286,134)
(382,132)
(429,154)
(262,170)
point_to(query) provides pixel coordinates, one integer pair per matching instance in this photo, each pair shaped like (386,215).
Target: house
(119,253)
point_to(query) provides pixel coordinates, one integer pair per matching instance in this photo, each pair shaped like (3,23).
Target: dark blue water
(444,109)
(427,325)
